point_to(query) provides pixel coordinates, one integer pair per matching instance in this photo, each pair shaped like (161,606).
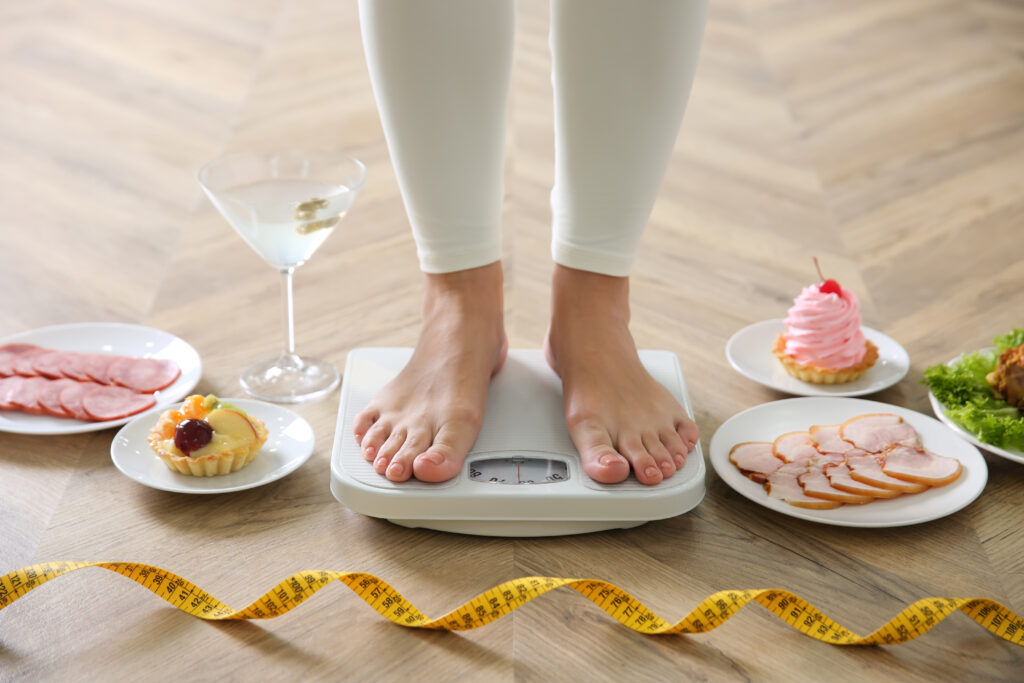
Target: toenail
(380,461)
(432,458)
(396,469)
(368,451)
(652,472)
(667,468)
(680,460)
(608,459)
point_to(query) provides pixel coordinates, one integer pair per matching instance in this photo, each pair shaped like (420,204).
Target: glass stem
(289,314)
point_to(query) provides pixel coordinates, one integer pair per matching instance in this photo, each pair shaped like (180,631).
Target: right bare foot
(423,423)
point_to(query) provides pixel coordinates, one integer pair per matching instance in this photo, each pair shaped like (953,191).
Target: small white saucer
(289,445)
(750,353)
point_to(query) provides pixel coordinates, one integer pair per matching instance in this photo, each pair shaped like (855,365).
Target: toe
(397,471)
(661,455)
(688,432)
(645,468)
(443,459)
(601,461)
(416,441)
(363,422)
(386,452)
(375,438)
(676,447)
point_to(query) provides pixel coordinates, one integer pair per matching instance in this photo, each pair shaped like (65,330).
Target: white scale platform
(523,476)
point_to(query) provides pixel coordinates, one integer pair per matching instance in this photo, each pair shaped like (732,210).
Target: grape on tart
(207,437)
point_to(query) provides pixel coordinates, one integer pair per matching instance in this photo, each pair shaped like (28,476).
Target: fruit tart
(207,437)
(823,342)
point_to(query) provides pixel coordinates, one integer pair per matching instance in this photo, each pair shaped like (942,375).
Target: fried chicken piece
(1007,380)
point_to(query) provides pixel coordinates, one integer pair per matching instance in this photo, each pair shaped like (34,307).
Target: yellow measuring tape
(500,600)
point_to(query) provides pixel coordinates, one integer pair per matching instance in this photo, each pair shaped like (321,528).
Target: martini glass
(284,205)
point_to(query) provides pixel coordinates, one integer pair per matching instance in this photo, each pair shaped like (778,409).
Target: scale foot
(514,528)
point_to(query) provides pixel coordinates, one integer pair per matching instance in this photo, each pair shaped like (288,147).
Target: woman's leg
(440,73)
(622,73)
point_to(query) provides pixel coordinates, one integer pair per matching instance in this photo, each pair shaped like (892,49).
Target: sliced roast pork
(755,459)
(794,446)
(920,466)
(827,440)
(868,469)
(875,432)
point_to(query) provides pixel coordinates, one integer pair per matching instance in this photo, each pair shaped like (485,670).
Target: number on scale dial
(518,470)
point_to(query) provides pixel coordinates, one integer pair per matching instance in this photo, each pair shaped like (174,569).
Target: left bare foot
(619,417)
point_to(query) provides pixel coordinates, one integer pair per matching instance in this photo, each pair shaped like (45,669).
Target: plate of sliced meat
(84,377)
(848,462)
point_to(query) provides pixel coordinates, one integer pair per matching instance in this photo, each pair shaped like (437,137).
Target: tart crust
(224,461)
(809,372)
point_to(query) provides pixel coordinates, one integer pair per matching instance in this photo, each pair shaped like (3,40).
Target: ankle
(587,297)
(472,292)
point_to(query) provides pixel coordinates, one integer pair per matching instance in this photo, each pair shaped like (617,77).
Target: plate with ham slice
(83,377)
(847,462)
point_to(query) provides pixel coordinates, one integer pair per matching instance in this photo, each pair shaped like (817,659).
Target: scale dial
(518,470)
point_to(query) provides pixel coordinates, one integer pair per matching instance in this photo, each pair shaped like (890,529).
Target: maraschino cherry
(827,286)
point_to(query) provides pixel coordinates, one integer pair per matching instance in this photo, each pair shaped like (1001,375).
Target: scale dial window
(518,471)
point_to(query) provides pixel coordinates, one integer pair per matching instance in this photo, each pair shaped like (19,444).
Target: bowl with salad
(981,395)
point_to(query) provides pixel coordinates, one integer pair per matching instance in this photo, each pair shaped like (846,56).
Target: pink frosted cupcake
(823,342)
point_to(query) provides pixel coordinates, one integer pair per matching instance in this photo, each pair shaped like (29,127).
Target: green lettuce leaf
(1014,337)
(967,398)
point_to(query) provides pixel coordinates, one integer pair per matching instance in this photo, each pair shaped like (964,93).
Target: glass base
(289,379)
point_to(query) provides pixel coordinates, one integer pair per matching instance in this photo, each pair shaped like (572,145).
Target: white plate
(767,421)
(750,352)
(940,412)
(289,444)
(113,338)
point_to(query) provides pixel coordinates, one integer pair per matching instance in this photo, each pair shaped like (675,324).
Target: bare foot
(423,423)
(619,417)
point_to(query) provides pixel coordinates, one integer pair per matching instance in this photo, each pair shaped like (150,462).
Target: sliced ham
(144,375)
(920,466)
(112,403)
(9,353)
(6,363)
(72,364)
(817,485)
(794,446)
(71,398)
(785,486)
(827,440)
(868,470)
(25,394)
(755,459)
(48,364)
(839,476)
(875,432)
(794,468)
(96,367)
(23,361)
(48,397)
(7,387)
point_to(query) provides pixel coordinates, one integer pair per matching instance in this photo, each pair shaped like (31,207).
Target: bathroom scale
(523,476)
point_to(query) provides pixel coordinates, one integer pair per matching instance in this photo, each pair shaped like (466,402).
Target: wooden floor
(886,137)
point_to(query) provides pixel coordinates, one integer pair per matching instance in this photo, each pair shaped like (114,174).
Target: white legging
(622,71)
